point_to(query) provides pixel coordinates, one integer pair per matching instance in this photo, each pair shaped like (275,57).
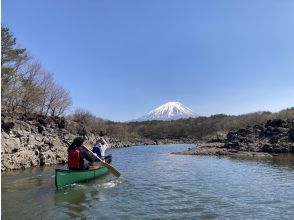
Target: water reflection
(286,160)
(72,201)
(21,180)
(278,160)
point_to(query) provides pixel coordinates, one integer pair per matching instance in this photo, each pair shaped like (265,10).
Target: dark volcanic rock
(276,123)
(42,120)
(291,134)
(40,128)
(7,126)
(217,149)
(276,136)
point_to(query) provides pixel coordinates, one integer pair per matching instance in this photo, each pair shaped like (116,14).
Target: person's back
(97,151)
(75,162)
(77,154)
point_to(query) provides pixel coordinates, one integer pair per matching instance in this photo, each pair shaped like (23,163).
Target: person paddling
(77,154)
(100,148)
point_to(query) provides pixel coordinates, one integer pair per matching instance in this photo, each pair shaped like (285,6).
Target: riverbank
(31,140)
(270,139)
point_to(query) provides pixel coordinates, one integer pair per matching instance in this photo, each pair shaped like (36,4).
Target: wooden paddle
(114,171)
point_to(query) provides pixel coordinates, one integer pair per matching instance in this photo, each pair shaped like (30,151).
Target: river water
(158,185)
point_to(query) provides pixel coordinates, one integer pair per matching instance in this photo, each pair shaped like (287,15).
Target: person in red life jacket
(77,154)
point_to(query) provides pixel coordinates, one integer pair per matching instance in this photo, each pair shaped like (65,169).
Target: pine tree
(11,58)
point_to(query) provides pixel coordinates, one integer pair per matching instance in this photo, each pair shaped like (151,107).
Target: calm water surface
(158,185)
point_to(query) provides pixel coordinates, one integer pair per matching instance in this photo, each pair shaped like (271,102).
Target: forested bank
(201,128)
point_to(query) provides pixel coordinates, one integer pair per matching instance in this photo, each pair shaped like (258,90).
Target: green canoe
(67,177)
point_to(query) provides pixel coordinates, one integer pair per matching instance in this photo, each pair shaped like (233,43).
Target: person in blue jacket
(100,148)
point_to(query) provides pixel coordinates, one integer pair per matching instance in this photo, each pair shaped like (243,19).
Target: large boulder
(18,160)
(48,158)
(10,145)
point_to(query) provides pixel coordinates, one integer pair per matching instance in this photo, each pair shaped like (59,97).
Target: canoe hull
(67,177)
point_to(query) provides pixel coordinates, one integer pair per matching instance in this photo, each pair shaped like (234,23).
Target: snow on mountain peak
(169,111)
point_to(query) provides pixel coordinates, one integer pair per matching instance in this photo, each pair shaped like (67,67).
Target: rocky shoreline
(271,139)
(30,140)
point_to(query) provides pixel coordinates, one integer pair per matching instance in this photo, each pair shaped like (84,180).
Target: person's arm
(105,143)
(103,147)
(85,154)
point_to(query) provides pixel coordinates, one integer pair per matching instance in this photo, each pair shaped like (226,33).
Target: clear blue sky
(120,59)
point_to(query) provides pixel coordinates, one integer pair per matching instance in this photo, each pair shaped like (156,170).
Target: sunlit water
(158,185)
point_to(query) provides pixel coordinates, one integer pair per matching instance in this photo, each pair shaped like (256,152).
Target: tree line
(215,126)
(25,85)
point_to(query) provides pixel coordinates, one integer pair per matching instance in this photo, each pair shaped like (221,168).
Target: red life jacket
(74,160)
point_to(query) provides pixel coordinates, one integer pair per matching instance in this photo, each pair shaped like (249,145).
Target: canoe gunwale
(76,171)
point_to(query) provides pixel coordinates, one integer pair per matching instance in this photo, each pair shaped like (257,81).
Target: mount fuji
(169,111)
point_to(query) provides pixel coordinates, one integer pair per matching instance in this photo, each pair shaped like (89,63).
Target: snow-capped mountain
(168,111)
